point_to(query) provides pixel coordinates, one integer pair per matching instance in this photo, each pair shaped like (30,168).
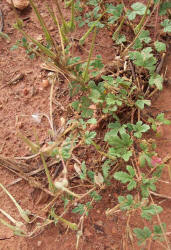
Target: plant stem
(65,26)
(51,185)
(116,33)
(42,23)
(138,27)
(85,73)
(71,225)
(72,24)
(82,39)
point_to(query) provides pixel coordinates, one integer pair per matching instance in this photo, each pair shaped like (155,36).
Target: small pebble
(114,231)
(39,243)
(45,83)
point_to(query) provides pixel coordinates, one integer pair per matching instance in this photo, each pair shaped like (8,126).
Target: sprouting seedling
(23,213)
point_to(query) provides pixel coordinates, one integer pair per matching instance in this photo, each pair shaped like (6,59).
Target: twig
(161,195)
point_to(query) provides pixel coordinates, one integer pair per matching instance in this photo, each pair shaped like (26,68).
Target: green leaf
(156,80)
(95,96)
(124,177)
(14,47)
(143,37)
(167,25)
(95,196)
(138,9)
(161,119)
(75,105)
(91,175)
(97,63)
(126,155)
(79,209)
(140,103)
(160,46)
(142,234)
(147,212)
(126,202)
(164,6)
(116,12)
(121,39)
(158,232)
(106,169)
(89,136)
(66,149)
(122,82)
(73,60)
(86,113)
(92,121)
(83,171)
(118,142)
(131,170)
(144,58)
(140,128)
(147,184)
(158,229)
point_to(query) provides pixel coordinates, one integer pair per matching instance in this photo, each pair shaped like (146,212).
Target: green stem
(71,225)
(61,33)
(42,23)
(65,26)
(72,24)
(85,73)
(41,47)
(82,39)
(116,33)
(138,27)
(51,185)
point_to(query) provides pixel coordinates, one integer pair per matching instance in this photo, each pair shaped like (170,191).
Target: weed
(101,95)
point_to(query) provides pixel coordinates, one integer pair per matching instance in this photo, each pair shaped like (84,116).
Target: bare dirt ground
(29,96)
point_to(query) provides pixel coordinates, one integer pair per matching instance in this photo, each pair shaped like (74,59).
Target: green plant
(115,98)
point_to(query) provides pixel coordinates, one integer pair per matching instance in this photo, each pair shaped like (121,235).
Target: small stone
(25,92)
(19,4)
(39,243)
(51,28)
(45,83)
(114,231)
